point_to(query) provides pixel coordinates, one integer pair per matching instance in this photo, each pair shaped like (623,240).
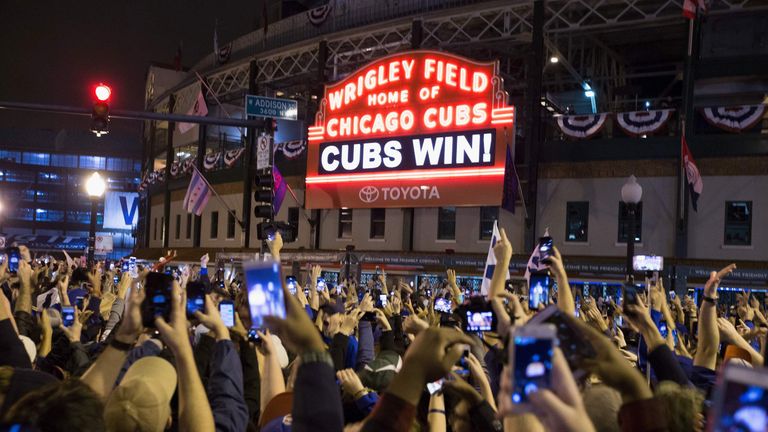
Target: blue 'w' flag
(511,184)
(280,188)
(198,194)
(490,262)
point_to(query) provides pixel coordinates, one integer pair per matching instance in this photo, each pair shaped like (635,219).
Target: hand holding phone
(227,312)
(157,301)
(195,298)
(538,290)
(265,291)
(14,256)
(67,315)
(545,248)
(530,357)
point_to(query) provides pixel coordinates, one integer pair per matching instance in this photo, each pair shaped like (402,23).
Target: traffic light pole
(134,115)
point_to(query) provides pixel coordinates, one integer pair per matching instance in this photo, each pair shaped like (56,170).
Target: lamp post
(631,194)
(95,186)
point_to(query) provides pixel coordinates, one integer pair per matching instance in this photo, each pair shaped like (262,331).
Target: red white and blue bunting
(638,123)
(231,156)
(210,161)
(186,166)
(291,149)
(318,15)
(734,118)
(581,126)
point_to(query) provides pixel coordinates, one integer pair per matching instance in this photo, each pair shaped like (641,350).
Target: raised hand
(212,319)
(350,382)
(296,330)
(175,333)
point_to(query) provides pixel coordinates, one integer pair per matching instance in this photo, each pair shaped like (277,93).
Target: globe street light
(95,187)
(631,194)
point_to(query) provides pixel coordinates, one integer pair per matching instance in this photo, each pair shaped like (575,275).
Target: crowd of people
(378,356)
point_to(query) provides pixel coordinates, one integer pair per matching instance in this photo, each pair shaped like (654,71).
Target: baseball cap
(142,400)
(277,408)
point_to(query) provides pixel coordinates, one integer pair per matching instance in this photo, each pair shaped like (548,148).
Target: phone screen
(740,405)
(383,300)
(545,248)
(630,294)
(321,284)
(463,364)
(574,345)
(532,367)
(132,268)
(68,315)
(479,321)
(13,260)
(290,281)
(116,279)
(443,305)
(79,301)
(227,311)
(435,387)
(538,291)
(195,298)
(158,299)
(124,267)
(265,292)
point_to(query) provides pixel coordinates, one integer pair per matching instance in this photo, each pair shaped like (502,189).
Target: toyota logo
(369,194)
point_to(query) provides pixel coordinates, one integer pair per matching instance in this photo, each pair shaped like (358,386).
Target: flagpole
(229,210)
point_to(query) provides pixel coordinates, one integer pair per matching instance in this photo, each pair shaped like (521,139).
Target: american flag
(198,194)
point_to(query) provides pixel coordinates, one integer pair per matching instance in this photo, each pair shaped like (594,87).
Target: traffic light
(267,230)
(100,112)
(264,193)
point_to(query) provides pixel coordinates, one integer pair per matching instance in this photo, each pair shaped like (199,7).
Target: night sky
(54,51)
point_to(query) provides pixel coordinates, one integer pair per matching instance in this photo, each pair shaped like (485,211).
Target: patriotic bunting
(210,161)
(637,123)
(231,156)
(318,15)
(175,168)
(188,165)
(291,149)
(581,126)
(735,118)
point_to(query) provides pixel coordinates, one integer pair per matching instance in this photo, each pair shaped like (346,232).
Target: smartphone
(672,295)
(68,315)
(435,387)
(545,248)
(443,305)
(14,255)
(585,291)
(740,401)
(79,301)
(383,300)
(428,292)
(290,282)
(480,319)
(530,355)
(463,364)
(647,263)
(338,290)
(264,283)
(227,311)
(572,342)
(124,267)
(133,268)
(158,298)
(321,284)
(195,298)
(253,336)
(116,279)
(538,290)
(629,293)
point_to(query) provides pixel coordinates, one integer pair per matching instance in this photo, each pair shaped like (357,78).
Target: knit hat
(377,374)
(142,400)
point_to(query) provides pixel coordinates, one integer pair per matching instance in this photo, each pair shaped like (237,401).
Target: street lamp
(631,194)
(95,186)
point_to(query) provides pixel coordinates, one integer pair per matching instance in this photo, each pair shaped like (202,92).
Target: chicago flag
(198,194)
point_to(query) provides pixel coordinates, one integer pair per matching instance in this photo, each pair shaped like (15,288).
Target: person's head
(686,404)
(141,403)
(602,404)
(59,407)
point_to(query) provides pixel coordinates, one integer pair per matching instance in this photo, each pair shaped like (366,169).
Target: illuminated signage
(415,129)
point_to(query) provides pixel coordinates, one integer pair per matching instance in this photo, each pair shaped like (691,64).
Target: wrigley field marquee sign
(414,129)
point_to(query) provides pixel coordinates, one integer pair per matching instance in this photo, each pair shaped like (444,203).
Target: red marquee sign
(414,129)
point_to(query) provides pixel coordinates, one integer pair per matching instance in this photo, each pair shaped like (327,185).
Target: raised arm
(564,294)
(709,337)
(503,253)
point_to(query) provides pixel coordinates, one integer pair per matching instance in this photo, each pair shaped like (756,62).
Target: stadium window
(154,230)
(189,226)
(738,223)
(178,226)
(577,221)
(214,225)
(378,223)
(230,226)
(446,223)
(624,222)
(92,162)
(36,158)
(345,223)
(488,215)
(64,160)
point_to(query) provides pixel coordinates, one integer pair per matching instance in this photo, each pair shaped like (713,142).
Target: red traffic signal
(102,92)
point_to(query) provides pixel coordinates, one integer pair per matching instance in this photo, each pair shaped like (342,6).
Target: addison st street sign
(414,129)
